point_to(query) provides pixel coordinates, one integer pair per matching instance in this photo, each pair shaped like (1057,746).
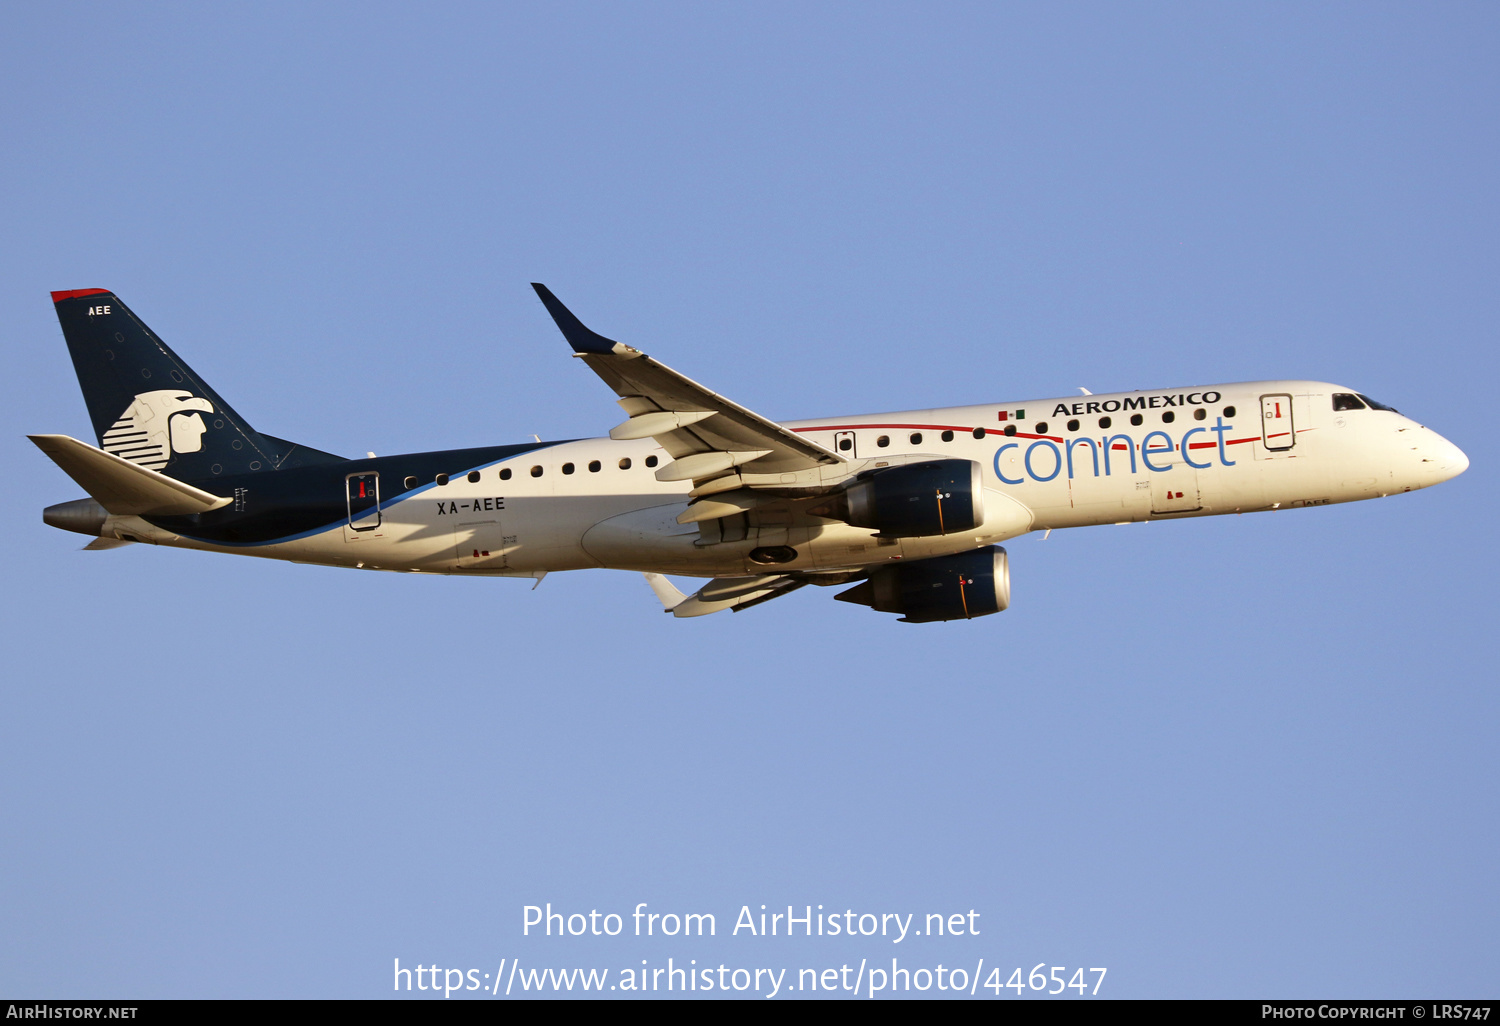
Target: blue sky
(1235,757)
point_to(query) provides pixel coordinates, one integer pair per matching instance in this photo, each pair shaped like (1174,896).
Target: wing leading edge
(713,442)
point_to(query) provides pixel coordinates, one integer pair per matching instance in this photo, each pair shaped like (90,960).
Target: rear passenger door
(363,494)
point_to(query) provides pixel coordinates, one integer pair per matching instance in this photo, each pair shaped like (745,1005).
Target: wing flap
(120,486)
(659,422)
(726,505)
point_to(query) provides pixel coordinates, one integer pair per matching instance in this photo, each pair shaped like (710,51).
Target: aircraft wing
(735,593)
(708,436)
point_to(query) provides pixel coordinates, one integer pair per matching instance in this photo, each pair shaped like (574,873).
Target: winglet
(579,337)
(666,592)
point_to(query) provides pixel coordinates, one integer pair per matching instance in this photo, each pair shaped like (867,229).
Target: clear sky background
(1236,757)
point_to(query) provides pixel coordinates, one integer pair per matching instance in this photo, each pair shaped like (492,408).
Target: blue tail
(149,407)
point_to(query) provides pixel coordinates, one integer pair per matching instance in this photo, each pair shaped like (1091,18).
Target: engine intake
(918,499)
(958,587)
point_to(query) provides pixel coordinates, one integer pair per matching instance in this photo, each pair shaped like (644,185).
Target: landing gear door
(1174,490)
(363,492)
(1276,431)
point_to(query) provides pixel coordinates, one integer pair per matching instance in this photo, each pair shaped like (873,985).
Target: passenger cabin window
(473,477)
(505,473)
(410,482)
(947,436)
(1041,428)
(883,441)
(1073,425)
(979,432)
(1200,414)
(1136,419)
(1105,422)
(650,461)
(441,479)
(567,468)
(1344,401)
(916,438)
(1372,404)
(1168,417)
(845,444)
(594,466)
(536,471)
(1229,411)
(625,463)
(1010,429)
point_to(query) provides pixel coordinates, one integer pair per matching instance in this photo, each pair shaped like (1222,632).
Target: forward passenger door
(1277,433)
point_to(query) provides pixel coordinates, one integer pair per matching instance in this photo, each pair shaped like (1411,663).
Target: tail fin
(149,407)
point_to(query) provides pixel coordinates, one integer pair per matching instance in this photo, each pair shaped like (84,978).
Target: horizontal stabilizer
(122,487)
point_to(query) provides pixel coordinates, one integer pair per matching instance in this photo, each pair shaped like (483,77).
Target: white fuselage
(1069,462)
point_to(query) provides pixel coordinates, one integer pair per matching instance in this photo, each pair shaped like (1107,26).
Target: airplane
(908,509)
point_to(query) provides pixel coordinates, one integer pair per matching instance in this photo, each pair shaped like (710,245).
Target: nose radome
(1451,460)
(1458,460)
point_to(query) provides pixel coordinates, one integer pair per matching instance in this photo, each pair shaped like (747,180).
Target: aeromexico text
(808,921)
(1139,402)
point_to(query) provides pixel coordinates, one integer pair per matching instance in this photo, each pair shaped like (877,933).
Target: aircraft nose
(1450,459)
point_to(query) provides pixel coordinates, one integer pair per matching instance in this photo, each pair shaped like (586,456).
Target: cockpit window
(1345,401)
(1378,406)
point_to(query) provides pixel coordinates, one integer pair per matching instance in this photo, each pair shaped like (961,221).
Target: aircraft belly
(836,545)
(652,539)
(396,544)
(547,533)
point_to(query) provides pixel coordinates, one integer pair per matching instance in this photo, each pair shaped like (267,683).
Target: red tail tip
(58,297)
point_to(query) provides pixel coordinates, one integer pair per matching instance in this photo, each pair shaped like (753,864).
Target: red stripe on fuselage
(1022,434)
(919,427)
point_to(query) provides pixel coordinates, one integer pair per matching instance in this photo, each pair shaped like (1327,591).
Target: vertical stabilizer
(147,405)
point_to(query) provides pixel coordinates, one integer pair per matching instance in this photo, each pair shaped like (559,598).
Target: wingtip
(579,336)
(666,592)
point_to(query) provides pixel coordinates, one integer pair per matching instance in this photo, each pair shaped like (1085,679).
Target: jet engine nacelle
(958,587)
(918,499)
